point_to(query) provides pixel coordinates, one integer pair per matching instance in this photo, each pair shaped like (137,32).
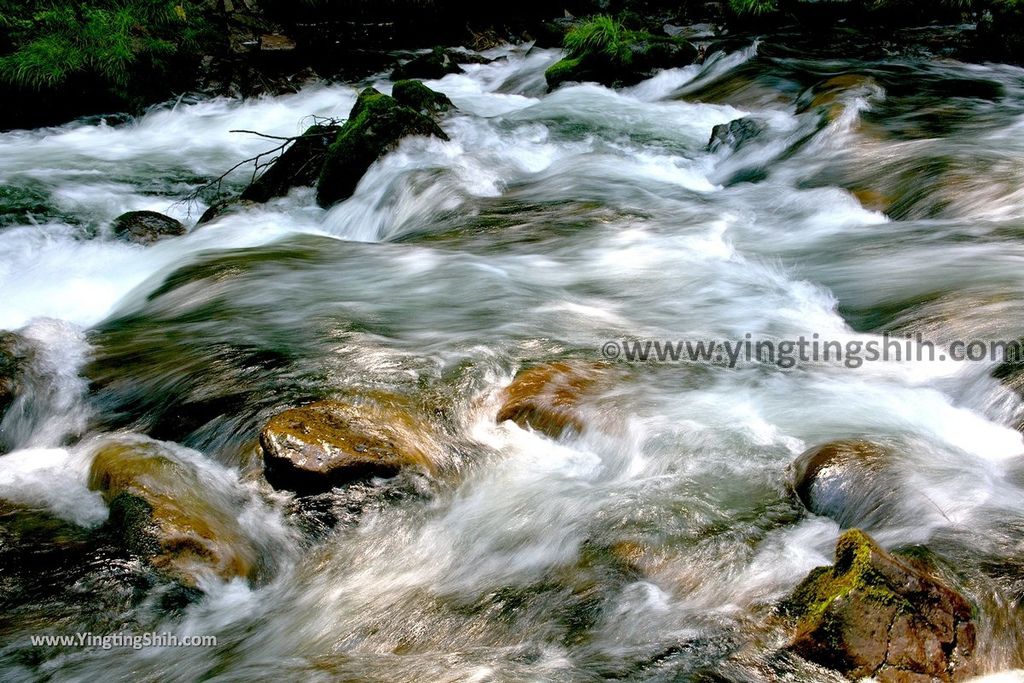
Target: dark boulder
(298,166)
(432,65)
(415,95)
(15,358)
(734,134)
(225,207)
(873,614)
(146,227)
(376,125)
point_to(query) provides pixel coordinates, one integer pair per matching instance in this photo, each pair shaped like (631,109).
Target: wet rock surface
(324,444)
(549,397)
(146,227)
(847,481)
(15,356)
(874,614)
(162,510)
(298,166)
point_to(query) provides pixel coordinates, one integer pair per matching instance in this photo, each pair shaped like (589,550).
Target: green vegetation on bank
(110,42)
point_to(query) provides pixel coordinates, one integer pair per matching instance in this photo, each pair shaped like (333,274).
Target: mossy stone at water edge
(872,614)
(415,95)
(640,56)
(376,124)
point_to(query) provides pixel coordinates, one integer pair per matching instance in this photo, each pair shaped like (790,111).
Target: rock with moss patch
(415,95)
(298,166)
(163,511)
(550,398)
(325,444)
(638,55)
(432,65)
(146,227)
(873,614)
(376,124)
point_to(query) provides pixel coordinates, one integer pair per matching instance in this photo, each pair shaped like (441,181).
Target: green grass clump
(753,8)
(600,35)
(106,40)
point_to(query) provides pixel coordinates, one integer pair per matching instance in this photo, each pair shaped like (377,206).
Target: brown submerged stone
(873,614)
(318,446)
(164,512)
(548,397)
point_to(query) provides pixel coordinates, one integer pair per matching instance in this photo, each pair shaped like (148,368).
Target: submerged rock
(549,397)
(415,95)
(432,65)
(376,124)
(146,227)
(734,134)
(298,166)
(847,481)
(163,511)
(324,444)
(872,614)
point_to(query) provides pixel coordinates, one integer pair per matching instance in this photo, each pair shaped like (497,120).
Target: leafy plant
(54,40)
(599,35)
(754,7)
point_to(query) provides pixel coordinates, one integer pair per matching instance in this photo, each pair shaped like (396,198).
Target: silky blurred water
(547,225)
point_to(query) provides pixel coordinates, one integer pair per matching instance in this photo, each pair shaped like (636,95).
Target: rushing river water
(548,225)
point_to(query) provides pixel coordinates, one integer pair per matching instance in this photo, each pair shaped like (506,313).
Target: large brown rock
(873,614)
(324,444)
(549,398)
(298,166)
(165,512)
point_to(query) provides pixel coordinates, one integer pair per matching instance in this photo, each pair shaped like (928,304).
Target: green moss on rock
(846,616)
(376,125)
(415,95)
(602,50)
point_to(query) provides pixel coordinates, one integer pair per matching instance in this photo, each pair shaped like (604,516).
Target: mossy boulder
(15,358)
(146,227)
(432,65)
(873,614)
(376,125)
(551,398)
(298,166)
(319,446)
(163,510)
(638,57)
(416,96)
